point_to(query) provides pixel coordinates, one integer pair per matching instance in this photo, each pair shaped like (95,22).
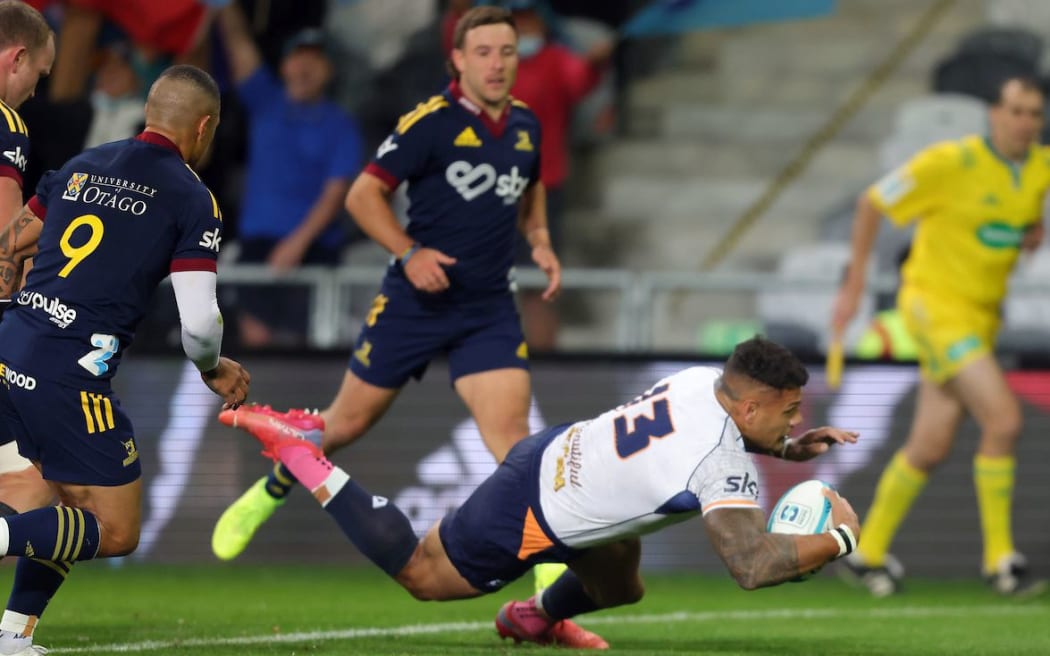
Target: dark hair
(1027,82)
(768,363)
(22,26)
(476,17)
(195,77)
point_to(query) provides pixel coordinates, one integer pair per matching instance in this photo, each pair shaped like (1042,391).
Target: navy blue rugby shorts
(499,532)
(82,437)
(402,335)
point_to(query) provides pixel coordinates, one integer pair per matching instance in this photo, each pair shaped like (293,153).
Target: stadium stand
(1026,312)
(799,317)
(928,119)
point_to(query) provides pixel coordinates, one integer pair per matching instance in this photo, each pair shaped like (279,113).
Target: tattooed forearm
(18,241)
(10,237)
(754,557)
(10,276)
(772,559)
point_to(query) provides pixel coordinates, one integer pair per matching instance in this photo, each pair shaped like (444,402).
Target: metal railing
(332,291)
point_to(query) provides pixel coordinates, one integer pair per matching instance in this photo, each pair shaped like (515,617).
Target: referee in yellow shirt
(976,203)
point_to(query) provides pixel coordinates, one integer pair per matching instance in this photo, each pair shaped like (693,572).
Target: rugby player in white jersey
(583,493)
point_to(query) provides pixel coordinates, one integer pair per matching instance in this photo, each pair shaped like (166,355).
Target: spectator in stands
(977,203)
(303,152)
(163,30)
(552,80)
(116,100)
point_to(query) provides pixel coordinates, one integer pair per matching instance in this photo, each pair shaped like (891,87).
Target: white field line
(468,627)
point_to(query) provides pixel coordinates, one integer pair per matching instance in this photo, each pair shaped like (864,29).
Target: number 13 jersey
(660,459)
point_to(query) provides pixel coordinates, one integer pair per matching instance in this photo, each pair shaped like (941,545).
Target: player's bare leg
(22,487)
(938,414)
(356,408)
(499,402)
(93,522)
(429,575)
(118,510)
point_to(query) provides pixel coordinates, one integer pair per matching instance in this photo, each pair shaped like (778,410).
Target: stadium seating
(799,315)
(1029,14)
(1026,312)
(1010,41)
(929,119)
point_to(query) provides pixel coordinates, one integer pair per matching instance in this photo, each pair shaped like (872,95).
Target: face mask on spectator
(529,45)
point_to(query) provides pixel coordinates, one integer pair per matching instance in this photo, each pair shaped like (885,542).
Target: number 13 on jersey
(634,434)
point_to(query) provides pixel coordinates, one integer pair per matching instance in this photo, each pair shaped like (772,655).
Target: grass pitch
(238,610)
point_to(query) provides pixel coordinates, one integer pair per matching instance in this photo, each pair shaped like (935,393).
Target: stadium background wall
(425,455)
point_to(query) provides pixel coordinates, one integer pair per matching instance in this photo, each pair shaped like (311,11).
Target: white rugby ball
(803,510)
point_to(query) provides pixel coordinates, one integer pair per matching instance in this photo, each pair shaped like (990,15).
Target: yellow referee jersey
(972,207)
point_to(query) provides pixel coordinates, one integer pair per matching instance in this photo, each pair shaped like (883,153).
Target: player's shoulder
(1042,156)
(963,152)
(424,114)
(11,122)
(166,171)
(690,385)
(520,109)
(201,194)
(696,377)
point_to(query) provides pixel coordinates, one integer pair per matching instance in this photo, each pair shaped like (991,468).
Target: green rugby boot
(242,519)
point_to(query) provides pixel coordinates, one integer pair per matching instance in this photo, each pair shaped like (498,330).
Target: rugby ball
(803,510)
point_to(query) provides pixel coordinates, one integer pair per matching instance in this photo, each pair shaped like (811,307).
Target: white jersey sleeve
(660,459)
(726,479)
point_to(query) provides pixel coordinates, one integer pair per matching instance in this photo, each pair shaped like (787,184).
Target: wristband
(844,536)
(409,252)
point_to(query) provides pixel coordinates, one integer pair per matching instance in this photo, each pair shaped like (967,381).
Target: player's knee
(633,593)
(502,440)
(418,582)
(118,540)
(1005,426)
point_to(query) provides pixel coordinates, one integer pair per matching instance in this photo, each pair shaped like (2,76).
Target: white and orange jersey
(660,459)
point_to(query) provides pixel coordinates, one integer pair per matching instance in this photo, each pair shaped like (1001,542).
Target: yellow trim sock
(993,479)
(898,488)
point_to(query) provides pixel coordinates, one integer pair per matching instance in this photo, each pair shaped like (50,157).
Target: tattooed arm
(17,243)
(758,559)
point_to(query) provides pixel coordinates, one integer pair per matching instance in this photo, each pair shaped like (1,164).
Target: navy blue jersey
(117,219)
(465,175)
(14,144)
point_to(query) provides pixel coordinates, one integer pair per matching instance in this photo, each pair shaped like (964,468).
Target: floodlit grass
(228,610)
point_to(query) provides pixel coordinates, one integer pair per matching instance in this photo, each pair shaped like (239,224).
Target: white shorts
(11,460)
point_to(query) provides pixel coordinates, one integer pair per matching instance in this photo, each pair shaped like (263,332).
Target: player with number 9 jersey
(116,220)
(104,231)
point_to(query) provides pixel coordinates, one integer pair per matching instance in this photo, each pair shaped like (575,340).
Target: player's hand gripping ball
(803,510)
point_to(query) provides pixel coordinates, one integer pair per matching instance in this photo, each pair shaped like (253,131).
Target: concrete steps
(707,137)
